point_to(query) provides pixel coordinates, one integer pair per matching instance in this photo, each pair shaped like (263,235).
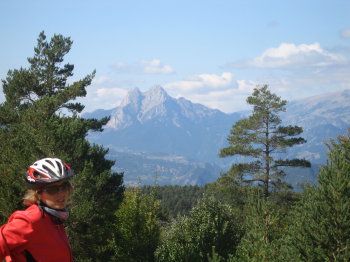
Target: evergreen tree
(39,120)
(321,227)
(264,228)
(227,189)
(260,137)
(210,227)
(176,200)
(137,227)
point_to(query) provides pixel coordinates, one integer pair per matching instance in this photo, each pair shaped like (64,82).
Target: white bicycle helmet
(47,170)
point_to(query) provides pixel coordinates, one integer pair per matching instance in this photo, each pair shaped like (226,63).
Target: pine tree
(211,227)
(264,227)
(260,137)
(321,227)
(137,227)
(39,120)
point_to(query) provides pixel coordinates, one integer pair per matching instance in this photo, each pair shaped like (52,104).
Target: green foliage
(97,195)
(259,137)
(264,227)
(209,224)
(176,200)
(137,228)
(230,191)
(321,225)
(13,153)
(39,120)
(11,186)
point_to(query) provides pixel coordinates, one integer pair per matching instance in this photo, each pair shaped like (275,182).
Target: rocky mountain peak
(156,92)
(154,97)
(134,97)
(156,105)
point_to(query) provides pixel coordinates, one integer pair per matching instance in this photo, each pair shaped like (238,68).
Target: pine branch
(293,162)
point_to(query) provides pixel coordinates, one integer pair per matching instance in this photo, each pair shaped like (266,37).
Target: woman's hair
(32,196)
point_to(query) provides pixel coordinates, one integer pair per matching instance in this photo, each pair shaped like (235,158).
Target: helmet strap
(58,215)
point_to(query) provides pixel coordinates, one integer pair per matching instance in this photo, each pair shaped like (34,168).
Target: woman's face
(56,195)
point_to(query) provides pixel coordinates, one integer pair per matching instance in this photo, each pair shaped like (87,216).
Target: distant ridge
(322,117)
(155,123)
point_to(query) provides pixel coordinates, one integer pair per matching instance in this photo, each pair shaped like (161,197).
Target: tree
(259,137)
(137,227)
(264,227)
(39,120)
(176,200)
(321,223)
(210,227)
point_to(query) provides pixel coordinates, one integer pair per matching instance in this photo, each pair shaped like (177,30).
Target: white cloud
(104,98)
(104,93)
(228,100)
(114,93)
(216,81)
(295,56)
(214,91)
(307,69)
(200,82)
(246,85)
(99,80)
(231,99)
(345,33)
(154,66)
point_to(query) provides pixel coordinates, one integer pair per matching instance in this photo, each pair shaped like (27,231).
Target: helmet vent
(38,175)
(49,161)
(60,168)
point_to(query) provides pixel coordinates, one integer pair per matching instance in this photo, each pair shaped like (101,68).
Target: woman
(37,233)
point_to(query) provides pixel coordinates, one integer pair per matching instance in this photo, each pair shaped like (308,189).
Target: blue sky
(210,52)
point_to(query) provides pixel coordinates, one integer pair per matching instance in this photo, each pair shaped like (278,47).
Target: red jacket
(34,231)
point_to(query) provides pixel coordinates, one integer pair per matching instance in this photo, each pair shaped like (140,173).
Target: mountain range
(156,138)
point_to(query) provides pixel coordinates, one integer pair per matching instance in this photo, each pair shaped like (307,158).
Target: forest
(248,214)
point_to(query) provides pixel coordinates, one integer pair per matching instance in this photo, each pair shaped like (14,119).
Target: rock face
(153,122)
(157,124)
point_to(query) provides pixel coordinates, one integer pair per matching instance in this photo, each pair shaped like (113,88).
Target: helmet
(47,170)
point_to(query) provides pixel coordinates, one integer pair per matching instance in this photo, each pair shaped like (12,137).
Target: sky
(212,52)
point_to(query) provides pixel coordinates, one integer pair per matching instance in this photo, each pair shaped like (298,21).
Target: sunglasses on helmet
(52,190)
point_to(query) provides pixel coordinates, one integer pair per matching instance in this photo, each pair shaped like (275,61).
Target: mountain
(150,132)
(322,117)
(154,122)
